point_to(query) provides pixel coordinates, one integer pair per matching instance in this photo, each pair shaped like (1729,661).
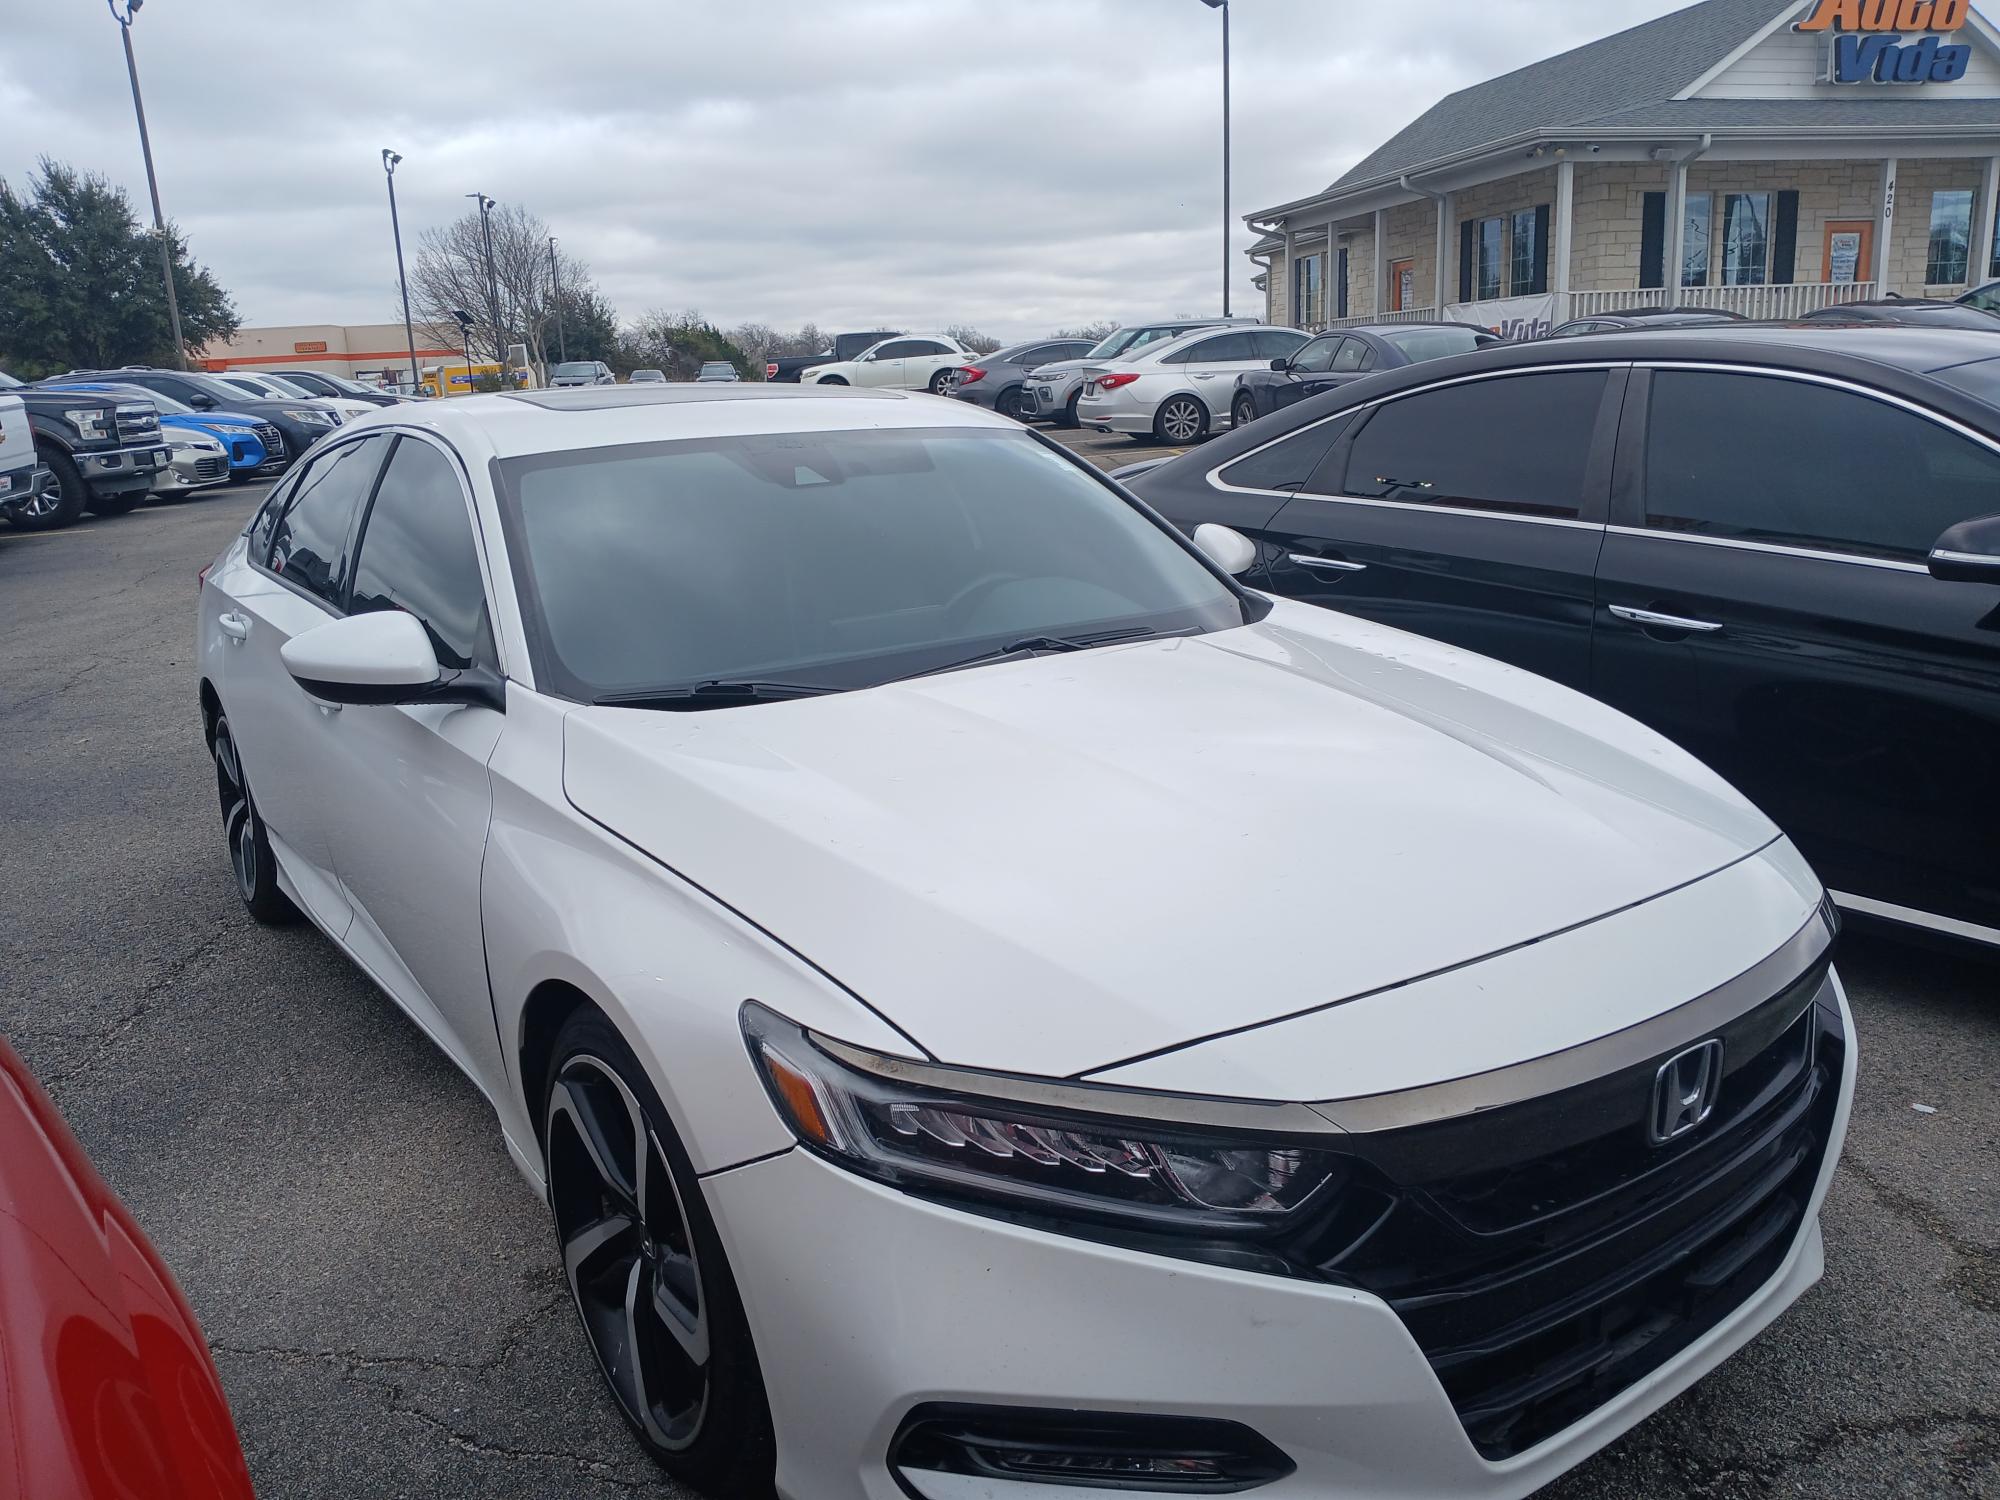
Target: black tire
(704,1419)
(1008,404)
(250,857)
(1243,412)
(117,505)
(61,504)
(1068,417)
(1180,420)
(941,383)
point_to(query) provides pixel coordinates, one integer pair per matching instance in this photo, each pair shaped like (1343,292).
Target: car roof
(1208,330)
(517,423)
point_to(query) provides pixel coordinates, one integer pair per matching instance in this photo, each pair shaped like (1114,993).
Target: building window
(1305,290)
(1746,238)
(1521,259)
(1951,238)
(1487,237)
(1993,269)
(1694,241)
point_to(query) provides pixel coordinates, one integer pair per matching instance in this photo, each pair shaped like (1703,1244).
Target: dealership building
(1763,156)
(377,353)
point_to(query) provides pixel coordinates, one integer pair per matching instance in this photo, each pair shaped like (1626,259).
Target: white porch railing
(1780,302)
(1405,315)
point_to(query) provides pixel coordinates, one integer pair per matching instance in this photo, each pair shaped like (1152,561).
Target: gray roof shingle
(1646,65)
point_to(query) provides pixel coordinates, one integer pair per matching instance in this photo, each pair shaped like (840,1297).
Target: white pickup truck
(21,474)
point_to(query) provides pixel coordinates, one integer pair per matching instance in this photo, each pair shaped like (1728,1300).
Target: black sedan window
(1317,356)
(1796,463)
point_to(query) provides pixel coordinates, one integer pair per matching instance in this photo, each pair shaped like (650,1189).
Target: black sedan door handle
(1658,621)
(1326,564)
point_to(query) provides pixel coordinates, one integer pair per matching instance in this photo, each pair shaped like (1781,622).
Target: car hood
(1054,864)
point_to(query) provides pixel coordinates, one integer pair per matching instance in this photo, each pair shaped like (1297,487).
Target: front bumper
(192,471)
(866,1303)
(1048,399)
(19,486)
(113,471)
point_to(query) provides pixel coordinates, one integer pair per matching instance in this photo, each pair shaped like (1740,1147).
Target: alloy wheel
(239,814)
(1180,420)
(628,1252)
(48,502)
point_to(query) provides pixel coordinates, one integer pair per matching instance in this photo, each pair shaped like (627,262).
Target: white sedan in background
(989,1001)
(906,363)
(277,388)
(1179,390)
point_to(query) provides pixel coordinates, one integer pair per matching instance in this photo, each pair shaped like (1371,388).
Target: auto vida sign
(1872,41)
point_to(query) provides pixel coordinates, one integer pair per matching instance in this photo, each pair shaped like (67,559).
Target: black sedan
(1917,312)
(1346,354)
(1780,545)
(1645,317)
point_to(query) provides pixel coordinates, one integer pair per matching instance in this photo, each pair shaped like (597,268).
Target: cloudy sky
(1013,164)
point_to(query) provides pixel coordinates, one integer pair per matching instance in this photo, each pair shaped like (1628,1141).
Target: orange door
(1849,251)
(1402,284)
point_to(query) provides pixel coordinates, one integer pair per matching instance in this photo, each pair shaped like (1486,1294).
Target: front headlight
(89,422)
(949,1133)
(309,417)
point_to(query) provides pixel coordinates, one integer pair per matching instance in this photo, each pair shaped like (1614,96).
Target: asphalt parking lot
(381,1288)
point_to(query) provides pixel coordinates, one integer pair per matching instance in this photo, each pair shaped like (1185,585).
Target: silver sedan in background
(994,380)
(1051,394)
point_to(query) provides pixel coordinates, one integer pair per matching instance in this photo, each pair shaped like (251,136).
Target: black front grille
(213,467)
(1546,1255)
(272,439)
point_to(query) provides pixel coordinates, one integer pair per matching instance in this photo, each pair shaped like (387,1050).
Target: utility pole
(1223,6)
(152,182)
(389,160)
(555,281)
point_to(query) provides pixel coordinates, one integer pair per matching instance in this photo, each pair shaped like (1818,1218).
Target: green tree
(679,344)
(80,279)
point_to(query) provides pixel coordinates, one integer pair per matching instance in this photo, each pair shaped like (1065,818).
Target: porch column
(1981,268)
(1291,277)
(1677,216)
(1326,277)
(1442,293)
(1885,224)
(1381,260)
(1565,215)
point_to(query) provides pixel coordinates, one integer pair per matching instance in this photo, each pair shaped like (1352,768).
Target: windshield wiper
(718,693)
(1042,645)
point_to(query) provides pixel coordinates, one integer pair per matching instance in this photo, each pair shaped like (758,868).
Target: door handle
(1326,564)
(1664,622)
(235,626)
(1199,375)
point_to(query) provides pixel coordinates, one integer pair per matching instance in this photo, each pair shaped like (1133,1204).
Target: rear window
(1432,342)
(1980,378)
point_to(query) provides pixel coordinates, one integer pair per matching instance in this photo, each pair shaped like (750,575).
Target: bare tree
(450,272)
(1096,332)
(972,338)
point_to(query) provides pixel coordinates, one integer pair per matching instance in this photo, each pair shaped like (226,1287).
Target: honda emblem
(1684,1091)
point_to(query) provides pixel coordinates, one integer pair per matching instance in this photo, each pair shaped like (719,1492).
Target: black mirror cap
(202,402)
(1281,364)
(474,685)
(1969,552)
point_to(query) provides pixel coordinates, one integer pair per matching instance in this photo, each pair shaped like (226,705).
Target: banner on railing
(1511,317)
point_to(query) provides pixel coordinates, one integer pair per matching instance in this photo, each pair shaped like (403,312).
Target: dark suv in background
(102,453)
(299,423)
(1778,545)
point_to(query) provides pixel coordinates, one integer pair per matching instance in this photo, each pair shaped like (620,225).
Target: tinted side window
(900,349)
(418,554)
(1316,356)
(1518,443)
(1215,351)
(1288,463)
(1351,356)
(309,546)
(925,346)
(1787,461)
(1271,343)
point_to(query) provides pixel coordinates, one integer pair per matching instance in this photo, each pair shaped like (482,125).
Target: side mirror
(1969,552)
(202,403)
(1228,549)
(380,658)
(1281,364)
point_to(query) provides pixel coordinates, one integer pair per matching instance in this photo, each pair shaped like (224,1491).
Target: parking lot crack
(104,1039)
(1975,1277)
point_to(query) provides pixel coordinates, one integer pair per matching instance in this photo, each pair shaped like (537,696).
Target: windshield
(577,367)
(221,390)
(283,386)
(1433,341)
(8,382)
(1979,378)
(841,559)
(351,387)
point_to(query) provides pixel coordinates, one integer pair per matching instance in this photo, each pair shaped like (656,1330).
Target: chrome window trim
(1888,910)
(1534,1078)
(1216,481)
(1744,544)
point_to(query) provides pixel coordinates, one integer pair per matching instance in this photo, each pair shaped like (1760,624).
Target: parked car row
(107,440)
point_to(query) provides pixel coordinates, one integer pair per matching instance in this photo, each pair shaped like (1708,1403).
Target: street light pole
(464,332)
(152,183)
(486,205)
(555,281)
(1223,6)
(389,160)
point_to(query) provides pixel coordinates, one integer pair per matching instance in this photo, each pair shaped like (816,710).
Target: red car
(106,1388)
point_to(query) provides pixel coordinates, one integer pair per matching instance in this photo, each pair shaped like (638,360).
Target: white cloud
(1013,165)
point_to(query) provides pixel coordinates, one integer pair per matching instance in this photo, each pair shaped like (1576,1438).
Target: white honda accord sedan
(991,1003)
